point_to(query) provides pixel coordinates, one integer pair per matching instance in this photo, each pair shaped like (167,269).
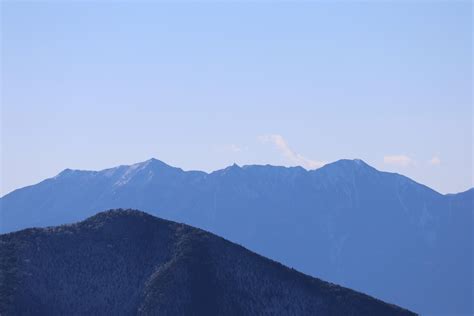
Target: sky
(203,85)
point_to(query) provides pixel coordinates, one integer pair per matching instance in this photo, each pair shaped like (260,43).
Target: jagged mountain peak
(71,172)
(156,166)
(348,164)
(154,163)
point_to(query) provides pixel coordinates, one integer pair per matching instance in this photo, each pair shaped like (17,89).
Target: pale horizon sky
(201,85)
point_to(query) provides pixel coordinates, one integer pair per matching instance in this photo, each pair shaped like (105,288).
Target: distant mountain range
(377,232)
(126,262)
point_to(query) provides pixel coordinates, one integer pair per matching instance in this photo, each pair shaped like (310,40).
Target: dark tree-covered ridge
(125,262)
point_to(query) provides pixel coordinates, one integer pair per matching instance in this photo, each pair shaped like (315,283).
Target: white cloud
(398,160)
(234,148)
(294,158)
(435,161)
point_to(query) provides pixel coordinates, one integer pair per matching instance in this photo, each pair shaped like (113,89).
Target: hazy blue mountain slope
(126,262)
(377,232)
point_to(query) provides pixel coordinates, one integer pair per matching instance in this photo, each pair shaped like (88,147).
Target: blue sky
(90,85)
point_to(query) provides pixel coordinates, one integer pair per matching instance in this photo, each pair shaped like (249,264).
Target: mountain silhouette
(126,262)
(377,232)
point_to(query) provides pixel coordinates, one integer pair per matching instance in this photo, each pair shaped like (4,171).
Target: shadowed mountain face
(127,262)
(377,232)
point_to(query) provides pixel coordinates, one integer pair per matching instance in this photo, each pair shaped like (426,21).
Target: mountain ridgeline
(125,262)
(348,223)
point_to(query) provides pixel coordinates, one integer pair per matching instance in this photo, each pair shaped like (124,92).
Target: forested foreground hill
(129,262)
